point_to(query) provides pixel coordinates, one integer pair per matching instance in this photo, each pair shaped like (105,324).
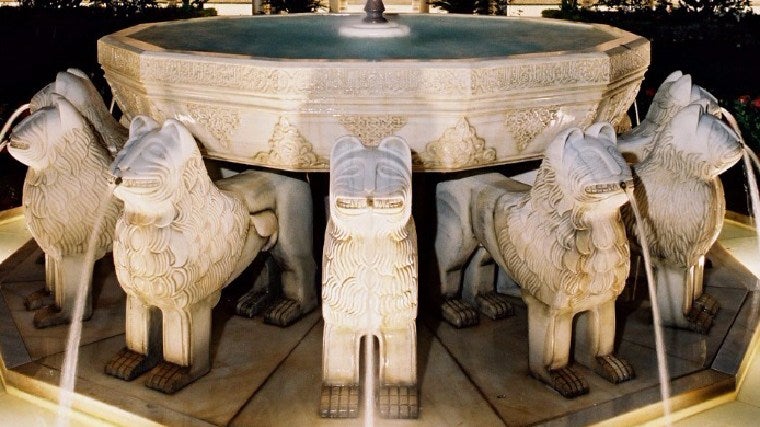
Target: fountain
(485,93)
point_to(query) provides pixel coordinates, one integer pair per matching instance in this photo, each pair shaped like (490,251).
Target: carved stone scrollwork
(458,147)
(526,124)
(220,122)
(371,129)
(289,148)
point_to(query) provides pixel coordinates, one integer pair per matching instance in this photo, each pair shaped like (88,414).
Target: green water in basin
(313,37)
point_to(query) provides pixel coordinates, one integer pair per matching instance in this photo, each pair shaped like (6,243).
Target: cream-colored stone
(369,274)
(682,204)
(248,97)
(562,240)
(66,181)
(181,240)
(675,93)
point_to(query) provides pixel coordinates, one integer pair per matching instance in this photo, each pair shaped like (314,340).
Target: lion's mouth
(18,145)
(608,188)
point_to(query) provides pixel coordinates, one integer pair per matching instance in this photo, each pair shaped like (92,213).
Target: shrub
(747,114)
(469,7)
(295,6)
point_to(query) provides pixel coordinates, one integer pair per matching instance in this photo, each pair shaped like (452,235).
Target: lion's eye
(156,150)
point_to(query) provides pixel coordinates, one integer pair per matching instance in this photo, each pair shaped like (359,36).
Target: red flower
(650,91)
(744,99)
(756,102)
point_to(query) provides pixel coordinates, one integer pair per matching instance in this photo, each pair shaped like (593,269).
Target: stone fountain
(485,93)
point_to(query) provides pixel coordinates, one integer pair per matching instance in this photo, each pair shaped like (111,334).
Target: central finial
(374,10)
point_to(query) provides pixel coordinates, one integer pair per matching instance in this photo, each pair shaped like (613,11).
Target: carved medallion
(288,148)
(458,147)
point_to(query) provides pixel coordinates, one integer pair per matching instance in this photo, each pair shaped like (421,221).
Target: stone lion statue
(369,277)
(562,240)
(681,200)
(181,239)
(76,88)
(675,93)
(66,182)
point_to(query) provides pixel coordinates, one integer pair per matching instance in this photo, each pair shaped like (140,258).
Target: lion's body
(562,240)
(182,239)
(66,197)
(369,274)
(682,205)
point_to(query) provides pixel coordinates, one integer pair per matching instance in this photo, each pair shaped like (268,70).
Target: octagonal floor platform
(264,375)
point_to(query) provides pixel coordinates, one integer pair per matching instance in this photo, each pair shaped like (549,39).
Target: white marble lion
(182,239)
(369,278)
(675,93)
(562,240)
(681,199)
(65,184)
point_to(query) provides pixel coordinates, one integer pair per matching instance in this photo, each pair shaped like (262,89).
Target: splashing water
(20,110)
(749,157)
(369,380)
(69,369)
(662,363)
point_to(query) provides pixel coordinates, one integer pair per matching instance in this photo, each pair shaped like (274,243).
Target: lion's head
(370,187)
(149,171)
(43,138)
(585,169)
(697,143)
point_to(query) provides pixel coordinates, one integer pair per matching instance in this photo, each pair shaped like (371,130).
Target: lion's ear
(70,117)
(343,145)
(602,130)
(399,147)
(180,134)
(675,75)
(556,149)
(681,89)
(141,125)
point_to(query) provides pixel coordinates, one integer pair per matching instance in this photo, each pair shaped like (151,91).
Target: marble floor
(264,375)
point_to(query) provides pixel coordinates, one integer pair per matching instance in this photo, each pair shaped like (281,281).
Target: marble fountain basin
(463,91)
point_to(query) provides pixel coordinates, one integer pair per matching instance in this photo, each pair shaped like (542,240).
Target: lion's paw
(283,312)
(398,402)
(700,321)
(170,378)
(568,383)
(494,305)
(614,369)
(459,314)
(339,401)
(252,303)
(127,364)
(38,299)
(706,303)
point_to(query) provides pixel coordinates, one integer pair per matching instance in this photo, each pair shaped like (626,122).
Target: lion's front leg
(549,337)
(186,336)
(704,306)
(71,273)
(340,373)
(143,350)
(46,295)
(397,394)
(595,339)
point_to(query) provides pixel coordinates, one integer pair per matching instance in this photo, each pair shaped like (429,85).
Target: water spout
(369,380)
(662,363)
(69,368)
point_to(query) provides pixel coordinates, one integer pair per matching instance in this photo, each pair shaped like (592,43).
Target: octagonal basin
(464,91)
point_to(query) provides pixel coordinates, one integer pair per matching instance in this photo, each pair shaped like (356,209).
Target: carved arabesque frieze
(289,148)
(459,146)
(219,121)
(527,123)
(371,129)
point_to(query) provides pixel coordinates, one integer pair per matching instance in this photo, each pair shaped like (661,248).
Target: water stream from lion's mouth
(71,358)
(662,363)
(369,380)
